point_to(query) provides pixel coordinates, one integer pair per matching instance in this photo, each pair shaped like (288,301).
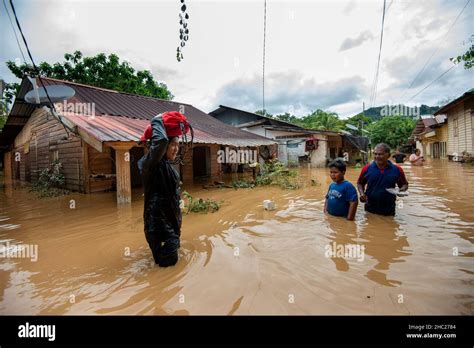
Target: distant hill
(374,112)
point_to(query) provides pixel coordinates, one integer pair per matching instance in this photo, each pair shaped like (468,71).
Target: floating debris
(268,205)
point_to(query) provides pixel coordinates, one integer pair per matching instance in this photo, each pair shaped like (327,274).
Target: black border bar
(290,330)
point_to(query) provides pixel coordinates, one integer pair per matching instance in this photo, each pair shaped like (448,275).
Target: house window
(455,126)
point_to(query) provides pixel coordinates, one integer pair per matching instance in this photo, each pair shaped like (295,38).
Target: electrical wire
(14,31)
(376,77)
(53,109)
(434,51)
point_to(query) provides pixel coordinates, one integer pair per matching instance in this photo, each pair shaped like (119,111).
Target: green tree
(321,120)
(100,71)
(358,120)
(286,117)
(392,130)
(467,57)
(263,113)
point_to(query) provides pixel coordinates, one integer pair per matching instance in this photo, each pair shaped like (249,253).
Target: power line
(55,113)
(376,78)
(436,79)
(435,50)
(264,37)
(14,31)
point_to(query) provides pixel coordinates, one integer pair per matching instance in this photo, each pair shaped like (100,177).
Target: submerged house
(101,152)
(430,136)
(460,122)
(295,144)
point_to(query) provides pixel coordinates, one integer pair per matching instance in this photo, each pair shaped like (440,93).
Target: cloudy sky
(319,54)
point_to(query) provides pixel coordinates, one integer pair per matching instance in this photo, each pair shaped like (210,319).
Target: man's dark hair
(340,165)
(384,146)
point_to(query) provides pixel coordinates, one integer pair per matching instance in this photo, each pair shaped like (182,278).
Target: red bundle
(174,123)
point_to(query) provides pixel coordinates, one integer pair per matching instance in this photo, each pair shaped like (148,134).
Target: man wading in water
(380,175)
(161,184)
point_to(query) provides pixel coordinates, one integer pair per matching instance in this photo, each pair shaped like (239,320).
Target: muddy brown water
(242,259)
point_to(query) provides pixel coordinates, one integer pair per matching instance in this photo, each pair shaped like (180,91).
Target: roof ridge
(80,84)
(112,90)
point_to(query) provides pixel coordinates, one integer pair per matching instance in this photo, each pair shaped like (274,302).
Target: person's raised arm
(159,143)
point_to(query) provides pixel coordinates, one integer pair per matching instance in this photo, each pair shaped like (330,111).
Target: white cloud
(349,43)
(289,90)
(302,47)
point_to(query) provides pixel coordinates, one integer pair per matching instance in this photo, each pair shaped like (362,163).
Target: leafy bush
(50,181)
(273,173)
(201,205)
(243,184)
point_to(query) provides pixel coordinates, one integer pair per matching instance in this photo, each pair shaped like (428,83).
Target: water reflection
(93,259)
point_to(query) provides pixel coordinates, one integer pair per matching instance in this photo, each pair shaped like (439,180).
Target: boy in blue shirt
(341,199)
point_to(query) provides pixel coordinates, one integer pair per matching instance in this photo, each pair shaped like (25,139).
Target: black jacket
(161,214)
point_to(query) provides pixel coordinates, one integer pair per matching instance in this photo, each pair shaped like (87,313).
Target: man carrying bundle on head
(161,183)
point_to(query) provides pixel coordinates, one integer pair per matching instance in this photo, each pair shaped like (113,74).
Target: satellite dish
(56,93)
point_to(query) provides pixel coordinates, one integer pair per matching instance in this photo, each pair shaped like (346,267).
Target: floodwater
(94,259)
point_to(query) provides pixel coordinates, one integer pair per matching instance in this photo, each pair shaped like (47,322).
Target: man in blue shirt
(341,199)
(378,176)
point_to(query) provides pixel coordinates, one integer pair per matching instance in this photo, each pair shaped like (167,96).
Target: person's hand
(403,188)
(363,198)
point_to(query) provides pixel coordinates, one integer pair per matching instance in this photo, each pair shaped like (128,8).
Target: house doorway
(201,162)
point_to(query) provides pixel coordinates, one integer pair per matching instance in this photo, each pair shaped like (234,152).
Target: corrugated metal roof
(123,116)
(425,125)
(119,128)
(223,108)
(428,122)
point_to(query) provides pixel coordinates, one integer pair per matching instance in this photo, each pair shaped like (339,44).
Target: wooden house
(460,121)
(292,139)
(100,150)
